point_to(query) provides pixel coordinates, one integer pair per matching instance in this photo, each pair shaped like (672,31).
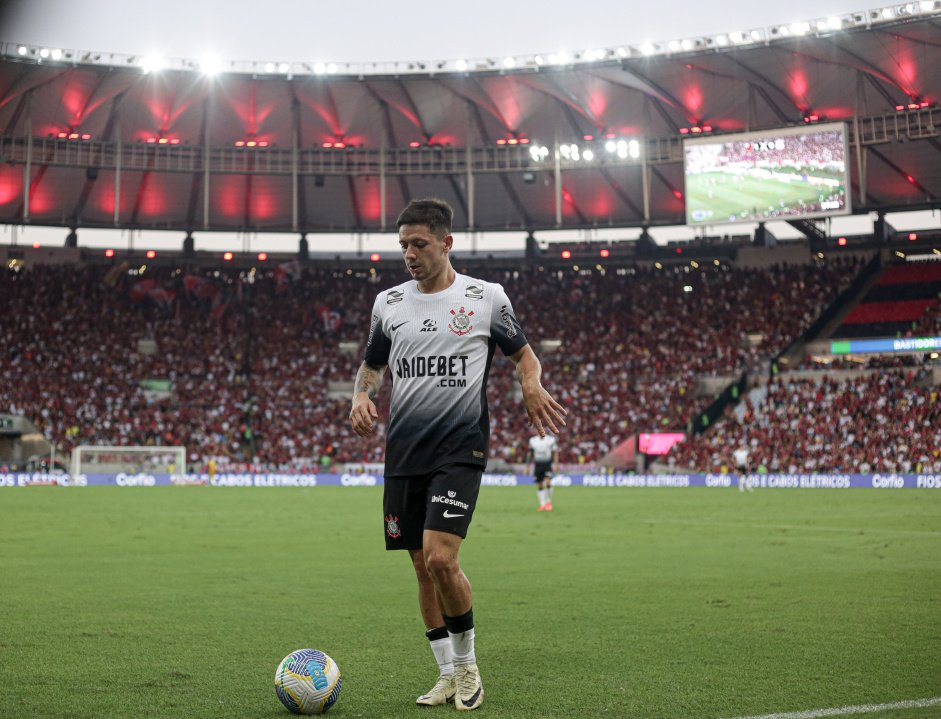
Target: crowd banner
(490,479)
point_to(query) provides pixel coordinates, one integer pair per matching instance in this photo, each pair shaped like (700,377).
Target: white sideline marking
(842,711)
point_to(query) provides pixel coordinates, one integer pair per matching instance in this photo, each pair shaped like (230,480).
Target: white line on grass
(843,711)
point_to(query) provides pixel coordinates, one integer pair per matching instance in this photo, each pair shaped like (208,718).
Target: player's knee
(440,563)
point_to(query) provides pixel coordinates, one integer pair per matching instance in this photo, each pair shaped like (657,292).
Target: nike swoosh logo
(470,702)
(395,327)
(448,515)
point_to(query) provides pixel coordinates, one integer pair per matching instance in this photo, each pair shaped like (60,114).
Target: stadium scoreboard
(785,174)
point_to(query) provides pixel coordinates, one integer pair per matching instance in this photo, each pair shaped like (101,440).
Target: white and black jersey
(543,448)
(438,348)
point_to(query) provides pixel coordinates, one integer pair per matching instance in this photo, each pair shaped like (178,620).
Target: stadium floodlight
(269,67)
(332,68)
(647,48)
(588,155)
(44,53)
(673,45)
(461,65)
(283,67)
(56,54)
(509,62)
(610,146)
(633,149)
(210,65)
(152,63)
(622,52)
(722,40)
(686,44)
(320,68)
(559,58)
(800,28)
(888,13)
(926,5)
(22,50)
(834,23)
(755,35)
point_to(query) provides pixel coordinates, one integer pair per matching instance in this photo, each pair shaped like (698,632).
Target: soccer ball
(307,682)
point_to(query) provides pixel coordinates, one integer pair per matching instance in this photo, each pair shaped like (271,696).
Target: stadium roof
(109,141)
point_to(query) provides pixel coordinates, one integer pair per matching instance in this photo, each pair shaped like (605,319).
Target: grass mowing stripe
(860,709)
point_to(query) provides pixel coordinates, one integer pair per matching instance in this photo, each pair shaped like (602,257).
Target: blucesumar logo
(429,325)
(441,499)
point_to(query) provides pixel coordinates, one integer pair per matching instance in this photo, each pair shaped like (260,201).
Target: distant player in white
(437,334)
(740,459)
(544,454)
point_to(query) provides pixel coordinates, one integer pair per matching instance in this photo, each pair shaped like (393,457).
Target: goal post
(99,459)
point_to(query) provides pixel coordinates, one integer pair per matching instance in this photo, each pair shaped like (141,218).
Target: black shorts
(542,470)
(443,500)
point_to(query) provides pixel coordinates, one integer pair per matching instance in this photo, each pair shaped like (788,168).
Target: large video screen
(784,174)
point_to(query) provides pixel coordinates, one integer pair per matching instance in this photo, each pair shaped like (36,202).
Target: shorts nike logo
(448,515)
(395,327)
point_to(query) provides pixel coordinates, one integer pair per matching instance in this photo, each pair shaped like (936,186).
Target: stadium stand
(870,421)
(250,358)
(901,303)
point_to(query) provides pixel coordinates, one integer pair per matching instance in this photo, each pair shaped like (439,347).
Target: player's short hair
(436,214)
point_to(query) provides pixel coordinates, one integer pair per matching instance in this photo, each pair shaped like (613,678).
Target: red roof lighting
(912,236)
(910,179)
(841,241)
(684,130)
(163,141)
(695,130)
(151,254)
(151,140)
(250,143)
(262,256)
(588,137)
(414,143)
(62,135)
(109,253)
(375,257)
(524,140)
(339,145)
(73,135)
(679,250)
(605,253)
(238,143)
(227,256)
(501,141)
(512,141)
(677,194)
(899,108)
(36,245)
(707,128)
(566,254)
(86,136)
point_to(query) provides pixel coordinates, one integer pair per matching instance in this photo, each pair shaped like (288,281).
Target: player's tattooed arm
(363,414)
(368,380)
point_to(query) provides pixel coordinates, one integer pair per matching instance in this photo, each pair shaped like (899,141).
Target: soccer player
(740,459)
(437,335)
(543,452)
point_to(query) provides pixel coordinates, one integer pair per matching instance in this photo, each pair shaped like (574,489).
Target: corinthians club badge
(392,526)
(460,323)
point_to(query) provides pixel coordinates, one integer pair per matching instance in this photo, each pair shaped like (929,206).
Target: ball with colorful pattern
(308,682)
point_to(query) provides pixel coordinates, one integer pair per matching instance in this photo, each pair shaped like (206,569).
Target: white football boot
(470,692)
(441,693)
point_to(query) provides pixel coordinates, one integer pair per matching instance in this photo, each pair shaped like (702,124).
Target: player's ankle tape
(437,633)
(461,624)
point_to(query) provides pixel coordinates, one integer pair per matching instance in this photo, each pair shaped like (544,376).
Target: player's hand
(543,411)
(363,415)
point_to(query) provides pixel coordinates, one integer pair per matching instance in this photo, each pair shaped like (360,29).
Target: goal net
(88,459)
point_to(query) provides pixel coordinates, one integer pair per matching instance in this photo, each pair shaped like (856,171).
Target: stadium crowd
(873,421)
(256,362)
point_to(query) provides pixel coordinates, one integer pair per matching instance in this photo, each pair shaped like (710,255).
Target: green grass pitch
(648,603)
(732,195)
